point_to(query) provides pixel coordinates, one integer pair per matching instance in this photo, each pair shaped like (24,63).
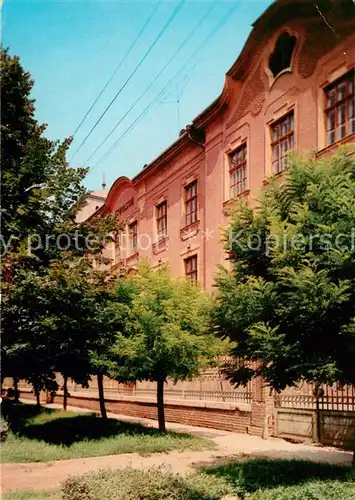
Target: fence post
(262,409)
(318,392)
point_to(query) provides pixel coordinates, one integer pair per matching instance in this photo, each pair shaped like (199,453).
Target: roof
(101,194)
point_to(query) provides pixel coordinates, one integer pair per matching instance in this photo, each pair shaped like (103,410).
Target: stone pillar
(262,409)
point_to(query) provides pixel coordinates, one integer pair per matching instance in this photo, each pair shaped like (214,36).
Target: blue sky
(72,48)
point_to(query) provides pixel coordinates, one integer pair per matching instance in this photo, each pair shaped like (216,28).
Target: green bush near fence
(250,479)
(152,484)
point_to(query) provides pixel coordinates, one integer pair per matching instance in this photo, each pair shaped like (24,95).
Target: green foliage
(289,300)
(32,495)
(39,189)
(260,475)
(42,435)
(4,429)
(152,484)
(251,479)
(164,333)
(164,330)
(312,490)
(53,300)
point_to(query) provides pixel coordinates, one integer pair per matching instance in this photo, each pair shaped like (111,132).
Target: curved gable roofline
(111,195)
(274,17)
(115,188)
(278,14)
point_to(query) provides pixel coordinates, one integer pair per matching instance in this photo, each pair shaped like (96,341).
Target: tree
(289,300)
(108,320)
(49,293)
(81,313)
(38,186)
(164,332)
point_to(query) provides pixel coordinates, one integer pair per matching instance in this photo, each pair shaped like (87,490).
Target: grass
(253,479)
(32,495)
(41,435)
(312,490)
(150,484)
(262,479)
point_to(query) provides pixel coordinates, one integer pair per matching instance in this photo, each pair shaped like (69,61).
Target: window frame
(191,268)
(349,98)
(191,203)
(119,242)
(242,166)
(161,218)
(289,136)
(133,235)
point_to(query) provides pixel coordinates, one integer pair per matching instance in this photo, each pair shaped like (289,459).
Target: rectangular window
(191,210)
(282,142)
(119,238)
(340,108)
(119,243)
(133,236)
(191,268)
(162,221)
(238,171)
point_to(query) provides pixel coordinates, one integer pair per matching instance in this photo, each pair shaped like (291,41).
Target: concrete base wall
(337,428)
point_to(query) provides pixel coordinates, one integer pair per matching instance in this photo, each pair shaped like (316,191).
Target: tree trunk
(65,388)
(38,400)
(16,391)
(100,384)
(160,402)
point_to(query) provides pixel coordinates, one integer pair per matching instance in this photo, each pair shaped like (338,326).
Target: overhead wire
(181,46)
(155,41)
(129,50)
(156,99)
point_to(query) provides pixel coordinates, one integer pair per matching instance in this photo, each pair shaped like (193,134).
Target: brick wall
(263,419)
(224,419)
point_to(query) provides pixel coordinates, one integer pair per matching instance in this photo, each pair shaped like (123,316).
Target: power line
(131,47)
(147,108)
(157,38)
(182,45)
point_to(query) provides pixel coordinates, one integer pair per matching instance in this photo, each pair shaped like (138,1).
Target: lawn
(41,435)
(247,480)
(32,495)
(262,479)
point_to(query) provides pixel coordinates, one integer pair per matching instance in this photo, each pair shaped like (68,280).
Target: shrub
(4,429)
(314,490)
(152,484)
(261,474)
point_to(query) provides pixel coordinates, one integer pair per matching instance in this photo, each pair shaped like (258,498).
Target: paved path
(229,446)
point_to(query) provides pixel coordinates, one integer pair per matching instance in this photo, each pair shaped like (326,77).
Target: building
(290,90)
(94,201)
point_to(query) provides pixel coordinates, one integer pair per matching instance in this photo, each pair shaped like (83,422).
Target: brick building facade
(290,90)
